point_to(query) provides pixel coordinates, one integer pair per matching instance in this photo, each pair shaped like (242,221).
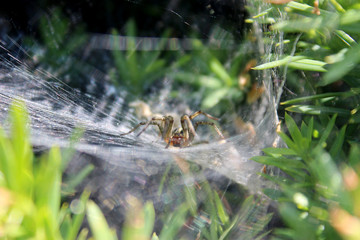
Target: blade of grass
(293,129)
(98,224)
(175,222)
(277,152)
(278,63)
(78,217)
(223,216)
(308,65)
(319,96)
(317,110)
(338,143)
(327,131)
(346,38)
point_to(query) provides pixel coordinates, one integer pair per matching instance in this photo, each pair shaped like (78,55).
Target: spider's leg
(132,130)
(210,124)
(188,128)
(168,126)
(153,122)
(203,113)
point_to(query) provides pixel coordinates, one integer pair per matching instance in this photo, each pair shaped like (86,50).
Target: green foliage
(139,221)
(30,189)
(314,180)
(326,41)
(60,43)
(316,195)
(137,70)
(220,76)
(296,62)
(200,208)
(98,223)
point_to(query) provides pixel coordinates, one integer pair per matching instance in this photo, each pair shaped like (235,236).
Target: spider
(179,137)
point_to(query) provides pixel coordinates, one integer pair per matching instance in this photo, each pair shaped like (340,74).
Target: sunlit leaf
(287,163)
(319,96)
(212,99)
(78,217)
(278,63)
(346,38)
(338,70)
(223,216)
(98,225)
(278,151)
(308,65)
(139,222)
(220,72)
(317,110)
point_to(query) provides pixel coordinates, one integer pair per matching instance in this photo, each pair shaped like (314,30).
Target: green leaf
(327,131)
(229,228)
(78,217)
(98,225)
(139,221)
(338,70)
(8,163)
(278,63)
(289,142)
(338,143)
(220,72)
(308,65)
(300,229)
(350,17)
(149,218)
(263,13)
(346,38)
(276,152)
(76,179)
(309,132)
(223,216)
(305,24)
(325,169)
(210,82)
(283,163)
(214,98)
(175,222)
(293,129)
(300,7)
(53,178)
(320,96)
(317,110)
(354,154)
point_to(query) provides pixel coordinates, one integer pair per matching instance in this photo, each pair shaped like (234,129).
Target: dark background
(152,17)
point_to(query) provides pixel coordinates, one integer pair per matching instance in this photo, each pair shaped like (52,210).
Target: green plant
(60,41)
(137,69)
(218,80)
(209,220)
(314,184)
(318,190)
(319,38)
(30,187)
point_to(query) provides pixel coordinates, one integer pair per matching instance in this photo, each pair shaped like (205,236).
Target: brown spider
(179,137)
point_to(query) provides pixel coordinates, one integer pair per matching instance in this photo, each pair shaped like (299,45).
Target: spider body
(178,137)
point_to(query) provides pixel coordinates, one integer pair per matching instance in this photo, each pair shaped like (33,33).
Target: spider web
(129,165)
